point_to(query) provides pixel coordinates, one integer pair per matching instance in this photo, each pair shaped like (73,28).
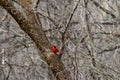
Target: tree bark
(32,26)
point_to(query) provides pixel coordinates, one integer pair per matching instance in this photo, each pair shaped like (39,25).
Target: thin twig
(103,9)
(7,78)
(108,23)
(108,50)
(67,25)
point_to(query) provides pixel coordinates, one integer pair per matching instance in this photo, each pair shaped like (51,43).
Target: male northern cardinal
(55,50)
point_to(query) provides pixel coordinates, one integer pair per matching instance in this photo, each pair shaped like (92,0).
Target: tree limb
(34,29)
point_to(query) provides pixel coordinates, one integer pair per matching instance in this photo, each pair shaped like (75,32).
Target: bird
(55,50)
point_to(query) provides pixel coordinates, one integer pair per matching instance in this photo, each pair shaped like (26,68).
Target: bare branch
(108,23)
(105,10)
(67,26)
(110,49)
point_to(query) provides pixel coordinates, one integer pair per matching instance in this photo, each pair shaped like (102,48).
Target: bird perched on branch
(55,50)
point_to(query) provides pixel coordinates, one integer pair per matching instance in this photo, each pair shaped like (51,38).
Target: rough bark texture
(33,28)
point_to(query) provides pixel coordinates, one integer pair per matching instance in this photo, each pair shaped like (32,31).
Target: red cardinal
(55,50)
